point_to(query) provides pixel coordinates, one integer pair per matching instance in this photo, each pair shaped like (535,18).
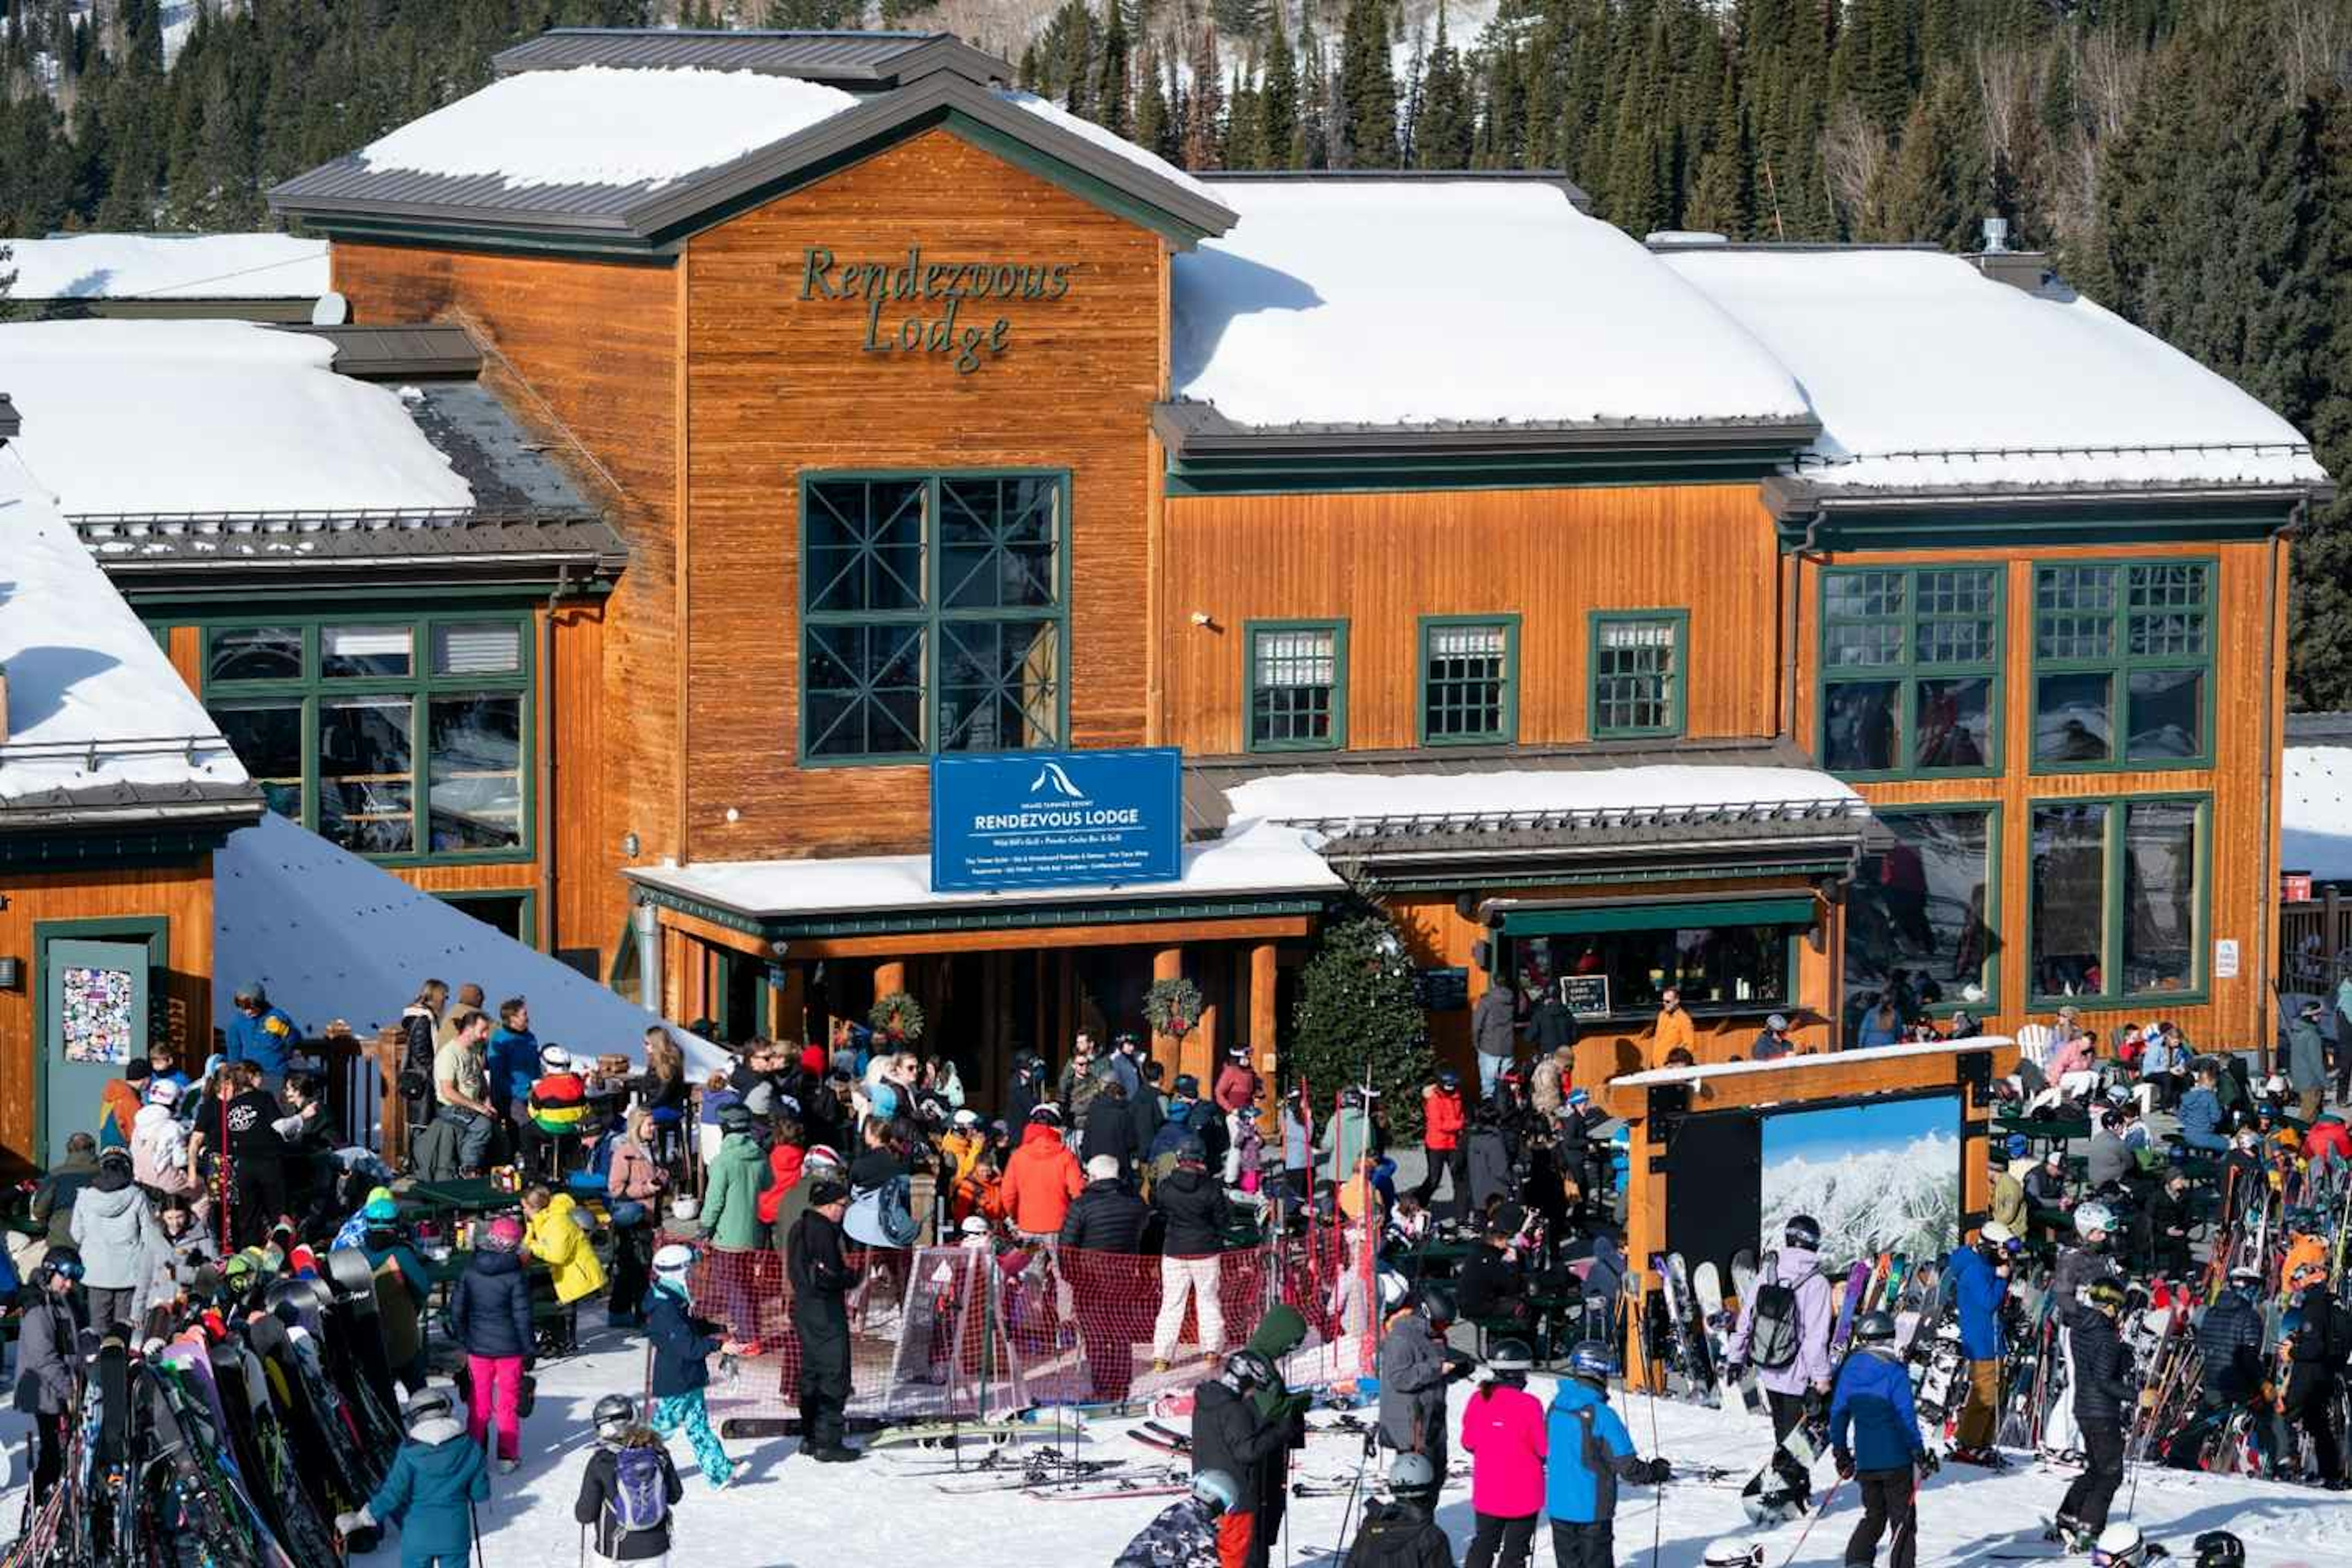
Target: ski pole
(1827,1498)
(1348,1518)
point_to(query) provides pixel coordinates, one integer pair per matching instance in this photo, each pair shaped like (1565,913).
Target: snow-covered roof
(1253,858)
(211,416)
(93,705)
(169,266)
(1926,374)
(1120,146)
(2315,812)
(332,936)
(1844,1061)
(1418,303)
(1325,796)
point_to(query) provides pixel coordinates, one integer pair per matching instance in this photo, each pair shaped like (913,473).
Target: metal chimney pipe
(1996,235)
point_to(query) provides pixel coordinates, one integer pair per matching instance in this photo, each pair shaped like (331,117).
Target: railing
(2315,944)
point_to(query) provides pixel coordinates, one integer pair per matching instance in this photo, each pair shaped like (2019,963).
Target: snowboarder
(821,1281)
(1503,1430)
(630,1489)
(1590,1452)
(1402,1532)
(2101,1396)
(1415,1365)
(1783,1332)
(1184,1534)
(683,1345)
(1231,1436)
(435,1480)
(1875,1438)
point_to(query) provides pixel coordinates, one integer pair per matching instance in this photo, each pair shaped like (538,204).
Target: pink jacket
(1504,1427)
(2076,1054)
(634,1173)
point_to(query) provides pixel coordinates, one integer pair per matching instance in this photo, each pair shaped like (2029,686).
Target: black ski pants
(48,1446)
(260,1199)
(824,1375)
(2087,1499)
(632,1257)
(1584,1545)
(1270,1478)
(1513,1537)
(2309,1400)
(1888,1500)
(1788,1415)
(1440,1162)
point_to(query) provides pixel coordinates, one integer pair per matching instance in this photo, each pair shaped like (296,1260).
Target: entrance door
(93,1017)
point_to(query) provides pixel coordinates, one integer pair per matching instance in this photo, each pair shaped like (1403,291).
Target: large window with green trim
(1637,672)
(1911,670)
(1921,915)
(2123,664)
(2119,890)
(406,737)
(1297,683)
(1469,680)
(934,614)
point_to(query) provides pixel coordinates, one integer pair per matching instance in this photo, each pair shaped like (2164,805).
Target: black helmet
(613,1414)
(1437,1303)
(1511,1360)
(1802,1230)
(2219,1549)
(62,1263)
(1246,1369)
(1875,1328)
(1190,1150)
(1593,1361)
(115,1159)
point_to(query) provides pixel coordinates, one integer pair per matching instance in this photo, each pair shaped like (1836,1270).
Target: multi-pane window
(389,736)
(1469,680)
(1918,922)
(2117,888)
(2122,659)
(1637,674)
(1297,686)
(934,619)
(1910,666)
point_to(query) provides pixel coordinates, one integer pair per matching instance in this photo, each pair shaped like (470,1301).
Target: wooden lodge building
(1790,624)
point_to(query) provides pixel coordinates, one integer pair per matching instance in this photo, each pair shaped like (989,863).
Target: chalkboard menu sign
(1443,990)
(1587,995)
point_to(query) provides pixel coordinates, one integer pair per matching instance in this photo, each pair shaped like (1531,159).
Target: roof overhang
(1813,516)
(149,556)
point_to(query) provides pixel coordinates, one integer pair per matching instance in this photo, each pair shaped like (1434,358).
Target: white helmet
(2093,1217)
(673,1260)
(2119,1544)
(1217,1488)
(1734,1552)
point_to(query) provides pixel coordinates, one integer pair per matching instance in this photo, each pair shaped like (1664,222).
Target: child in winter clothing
(159,1144)
(683,1345)
(552,1236)
(490,1314)
(601,1501)
(1182,1536)
(1590,1452)
(1875,1435)
(434,1481)
(1503,1430)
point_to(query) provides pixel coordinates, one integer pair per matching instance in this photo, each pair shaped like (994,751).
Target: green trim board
(1333,716)
(1871,631)
(1999,523)
(1989,969)
(312,686)
(1673,701)
(2114,915)
(1454,693)
(926,616)
(153,931)
(1485,879)
(1796,910)
(1291,474)
(121,848)
(2108,621)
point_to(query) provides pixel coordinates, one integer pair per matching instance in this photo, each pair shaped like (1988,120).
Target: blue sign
(1056,819)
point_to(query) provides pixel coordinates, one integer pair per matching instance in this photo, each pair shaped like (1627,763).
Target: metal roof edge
(1192,431)
(1792,498)
(918,54)
(1577,194)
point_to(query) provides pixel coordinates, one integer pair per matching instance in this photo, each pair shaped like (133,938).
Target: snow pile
(1904,1199)
(84,674)
(600,125)
(1086,130)
(1412,302)
(204,417)
(1925,373)
(1327,795)
(2315,812)
(1253,858)
(169,266)
(332,936)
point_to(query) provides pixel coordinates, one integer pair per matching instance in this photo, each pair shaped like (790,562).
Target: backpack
(883,1215)
(1772,1326)
(640,1501)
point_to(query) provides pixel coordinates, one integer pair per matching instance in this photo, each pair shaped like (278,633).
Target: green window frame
(934,614)
(2129,641)
(1469,685)
(1639,680)
(1285,665)
(1880,919)
(1910,671)
(2132,837)
(306,699)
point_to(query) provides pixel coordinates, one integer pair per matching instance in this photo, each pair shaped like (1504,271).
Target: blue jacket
(1977,1292)
(263,1041)
(513,1062)
(2200,1110)
(433,1477)
(489,1312)
(682,1351)
(1871,1415)
(413,1272)
(1580,1484)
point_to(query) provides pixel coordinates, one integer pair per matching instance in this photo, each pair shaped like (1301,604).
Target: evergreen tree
(7,281)
(1154,125)
(1367,88)
(1278,101)
(1204,123)
(1313,147)
(1443,128)
(1113,96)
(1357,1021)
(1719,196)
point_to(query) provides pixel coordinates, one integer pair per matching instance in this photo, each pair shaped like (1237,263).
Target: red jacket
(2330,1136)
(1236,1086)
(784,1174)
(1441,1118)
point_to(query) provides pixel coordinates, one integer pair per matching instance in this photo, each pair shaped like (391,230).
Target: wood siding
(1382,561)
(2247,692)
(775,385)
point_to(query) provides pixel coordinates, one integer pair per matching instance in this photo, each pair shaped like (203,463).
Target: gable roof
(630,159)
(94,267)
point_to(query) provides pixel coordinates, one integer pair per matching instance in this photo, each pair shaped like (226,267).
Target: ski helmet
(1511,1359)
(1437,1303)
(1875,1328)
(672,1262)
(2093,1217)
(423,1407)
(2249,1280)
(1734,1552)
(2120,1545)
(2018,1146)
(1190,1150)
(1217,1488)
(62,1263)
(614,1414)
(1246,1369)
(1590,1361)
(2219,1549)
(2103,1296)
(1413,1478)
(1802,1230)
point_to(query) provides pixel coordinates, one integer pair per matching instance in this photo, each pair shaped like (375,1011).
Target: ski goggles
(2103,1558)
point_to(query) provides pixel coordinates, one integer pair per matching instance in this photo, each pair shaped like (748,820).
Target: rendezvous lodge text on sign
(1056,819)
(913,306)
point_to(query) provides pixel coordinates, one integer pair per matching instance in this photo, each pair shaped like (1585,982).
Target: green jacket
(1279,1332)
(2307,1057)
(731,1203)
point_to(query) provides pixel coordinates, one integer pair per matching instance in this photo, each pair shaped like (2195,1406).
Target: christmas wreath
(898,1018)
(1172,1007)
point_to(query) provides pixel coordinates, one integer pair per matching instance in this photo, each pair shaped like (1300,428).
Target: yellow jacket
(555,1239)
(964,1149)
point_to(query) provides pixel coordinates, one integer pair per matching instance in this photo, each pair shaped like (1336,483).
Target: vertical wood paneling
(185,648)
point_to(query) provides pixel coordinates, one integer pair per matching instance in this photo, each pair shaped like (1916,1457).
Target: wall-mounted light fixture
(12,973)
(630,845)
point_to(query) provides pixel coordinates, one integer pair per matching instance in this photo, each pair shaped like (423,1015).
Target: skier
(489,1315)
(1783,1332)
(2315,1355)
(1589,1452)
(1184,1534)
(630,1489)
(1402,1532)
(682,1346)
(435,1480)
(1979,1284)
(1885,1457)
(1503,1430)
(47,1338)
(2077,1267)
(1415,1365)
(2099,1372)
(821,1281)
(1231,1436)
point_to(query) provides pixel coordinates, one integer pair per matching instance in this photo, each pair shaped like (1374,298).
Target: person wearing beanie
(260,1033)
(403,1285)
(114,1230)
(1101,1236)
(1198,1215)
(821,1280)
(489,1315)
(552,1233)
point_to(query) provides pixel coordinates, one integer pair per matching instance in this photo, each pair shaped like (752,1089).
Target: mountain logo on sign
(1051,781)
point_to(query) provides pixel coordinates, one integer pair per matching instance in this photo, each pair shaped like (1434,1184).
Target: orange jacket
(1040,1179)
(1441,1117)
(977,1195)
(1672,1029)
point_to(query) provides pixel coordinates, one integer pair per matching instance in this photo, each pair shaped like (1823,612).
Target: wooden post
(1646,1233)
(1262,1037)
(889,976)
(392,1111)
(792,1006)
(1168,963)
(2333,923)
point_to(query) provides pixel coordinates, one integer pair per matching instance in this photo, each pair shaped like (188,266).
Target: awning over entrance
(1664,914)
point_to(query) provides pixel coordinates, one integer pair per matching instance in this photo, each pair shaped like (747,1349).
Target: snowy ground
(786,1512)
